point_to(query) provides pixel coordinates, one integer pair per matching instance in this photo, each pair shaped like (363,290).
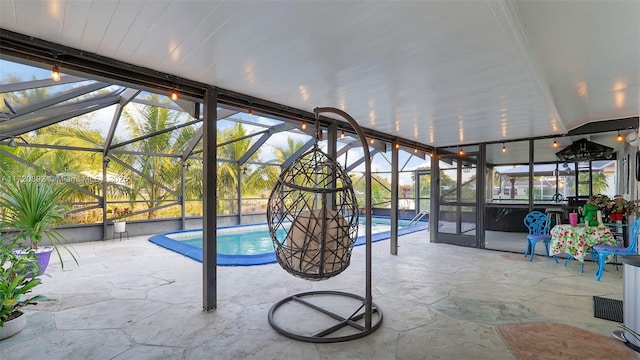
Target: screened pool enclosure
(124,148)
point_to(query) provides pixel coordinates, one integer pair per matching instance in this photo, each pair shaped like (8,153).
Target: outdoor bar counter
(508,215)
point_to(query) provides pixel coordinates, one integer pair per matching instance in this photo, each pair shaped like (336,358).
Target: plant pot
(13,326)
(43,258)
(43,254)
(119,226)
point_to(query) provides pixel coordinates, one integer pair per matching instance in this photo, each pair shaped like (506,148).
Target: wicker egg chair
(312,215)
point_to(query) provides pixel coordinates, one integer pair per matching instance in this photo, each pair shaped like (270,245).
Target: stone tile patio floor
(135,300)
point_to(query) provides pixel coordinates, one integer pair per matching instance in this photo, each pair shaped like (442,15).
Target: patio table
(578,240)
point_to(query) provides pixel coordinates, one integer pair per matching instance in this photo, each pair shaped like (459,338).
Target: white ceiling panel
(590,53)
(96,24)
(119,26)
(437,72)
(73,31)
(139,32)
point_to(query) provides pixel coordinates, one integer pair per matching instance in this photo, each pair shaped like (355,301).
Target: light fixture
(250,112)
(372,140)
(304,125)
(504,148)
(342,134)
(555,143)
(55,73)
(619,138)
(397,145)
(12,142)
(415,150)
(174,95)
(461,151)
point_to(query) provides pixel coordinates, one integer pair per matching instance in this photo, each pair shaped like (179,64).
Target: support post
(103,199)
(481,183)
(182,196)
(531,160)
(395,179)
(434,206)
(209,243)
(239,192)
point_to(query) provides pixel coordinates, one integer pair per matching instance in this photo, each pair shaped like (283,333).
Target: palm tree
(7,163)
(283,153)
(228,174)
(82,169)
(598,183)
(74,165)
(380,190)
(66,162)
(163,169)
(252,179)
(270,173)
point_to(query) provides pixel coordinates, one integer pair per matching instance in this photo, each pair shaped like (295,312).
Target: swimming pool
(245,245)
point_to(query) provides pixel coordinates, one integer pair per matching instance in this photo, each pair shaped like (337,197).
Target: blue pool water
(240,243)
(258,241)
(252,244)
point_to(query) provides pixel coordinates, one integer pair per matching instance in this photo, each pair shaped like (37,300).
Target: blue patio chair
(600,252)
(538,224)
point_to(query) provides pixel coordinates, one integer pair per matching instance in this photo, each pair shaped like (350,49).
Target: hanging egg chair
(312,215)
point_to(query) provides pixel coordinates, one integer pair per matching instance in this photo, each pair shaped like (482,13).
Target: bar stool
(556,213)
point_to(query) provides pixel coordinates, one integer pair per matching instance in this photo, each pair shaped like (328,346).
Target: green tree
(283,153)
(598,183)
(380,190)
(252,179)
(447,187)
(157,167)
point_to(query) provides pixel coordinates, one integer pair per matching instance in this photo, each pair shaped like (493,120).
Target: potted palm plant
(31,207)
(17,279)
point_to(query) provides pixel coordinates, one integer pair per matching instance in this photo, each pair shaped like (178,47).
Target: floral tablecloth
(578,240)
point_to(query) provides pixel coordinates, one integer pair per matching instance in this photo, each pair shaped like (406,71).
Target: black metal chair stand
(345,328)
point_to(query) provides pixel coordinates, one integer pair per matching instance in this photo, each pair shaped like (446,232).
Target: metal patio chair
(538,224)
